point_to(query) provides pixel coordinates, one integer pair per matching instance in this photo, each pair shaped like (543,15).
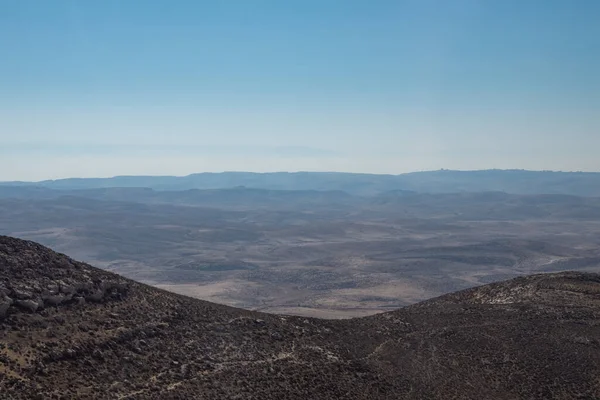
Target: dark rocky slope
(69,330)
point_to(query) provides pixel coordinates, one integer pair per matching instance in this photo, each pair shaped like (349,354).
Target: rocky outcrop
(32,277)
(31,298)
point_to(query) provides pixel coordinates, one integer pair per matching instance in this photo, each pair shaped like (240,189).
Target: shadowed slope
(69,330)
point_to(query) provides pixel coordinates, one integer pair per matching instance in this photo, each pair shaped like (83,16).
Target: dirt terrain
(69,330)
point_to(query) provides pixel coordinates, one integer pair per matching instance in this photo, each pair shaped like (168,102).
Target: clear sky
(101,88)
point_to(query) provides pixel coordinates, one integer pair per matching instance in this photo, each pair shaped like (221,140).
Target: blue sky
(101,88)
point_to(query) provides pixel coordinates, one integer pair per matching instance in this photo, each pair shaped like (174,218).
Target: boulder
(66,288)
(96,296)
(56,299)
(30,305)
(81,286)
(52,288)
(22,293)
(5,303)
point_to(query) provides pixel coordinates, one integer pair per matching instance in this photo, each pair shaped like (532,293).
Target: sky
(172,87)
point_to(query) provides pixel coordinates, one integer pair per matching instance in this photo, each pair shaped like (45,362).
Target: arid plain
(315,253)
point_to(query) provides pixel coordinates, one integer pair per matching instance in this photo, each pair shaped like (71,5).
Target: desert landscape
(324,253)
(300,200)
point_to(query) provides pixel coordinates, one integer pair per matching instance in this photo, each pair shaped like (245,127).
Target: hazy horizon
(172,88)
(296,172)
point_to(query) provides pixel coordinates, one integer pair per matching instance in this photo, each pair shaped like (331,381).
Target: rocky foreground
(71,331)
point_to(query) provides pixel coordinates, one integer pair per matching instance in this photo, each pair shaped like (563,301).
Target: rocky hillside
(71,331)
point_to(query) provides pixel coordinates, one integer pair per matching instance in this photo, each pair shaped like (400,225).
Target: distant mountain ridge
(442,181)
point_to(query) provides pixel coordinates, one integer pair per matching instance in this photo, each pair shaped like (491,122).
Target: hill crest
(531,337)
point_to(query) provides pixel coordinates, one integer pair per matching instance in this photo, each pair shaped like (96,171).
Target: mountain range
(442,181)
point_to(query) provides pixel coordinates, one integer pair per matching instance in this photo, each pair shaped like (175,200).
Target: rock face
(69,330)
